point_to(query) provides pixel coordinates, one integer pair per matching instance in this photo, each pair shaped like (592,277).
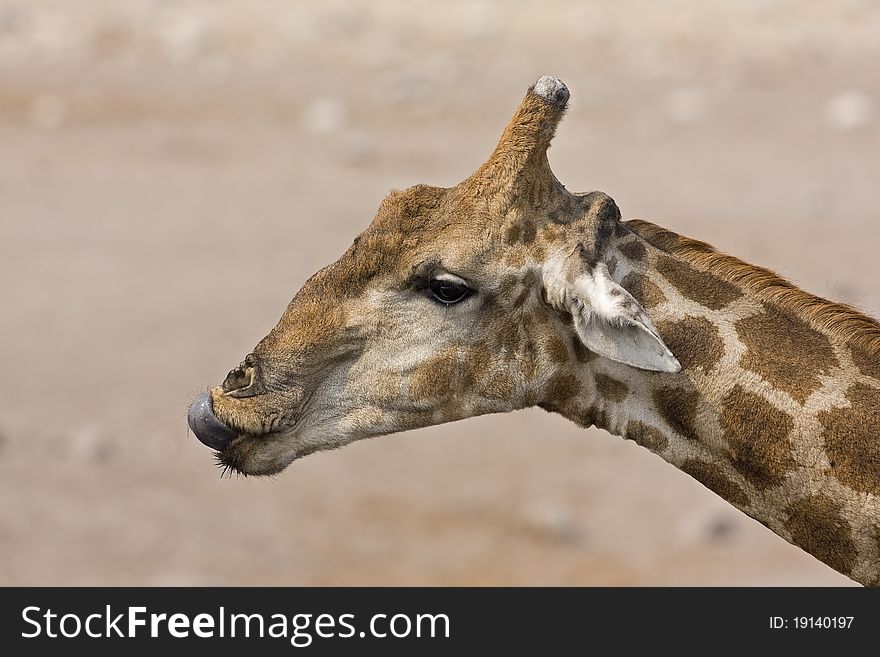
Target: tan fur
(776,403)
(646,436)
(841,321)
(774,407)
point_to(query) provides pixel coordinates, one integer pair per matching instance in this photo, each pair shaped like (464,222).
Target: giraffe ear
(610,322)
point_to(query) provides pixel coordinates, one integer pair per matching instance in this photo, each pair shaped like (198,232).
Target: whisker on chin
(224,467)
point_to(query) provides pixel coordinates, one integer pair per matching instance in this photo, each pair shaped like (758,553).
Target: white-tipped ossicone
(552,90)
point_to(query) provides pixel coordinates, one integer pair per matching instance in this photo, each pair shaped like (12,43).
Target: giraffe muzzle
(204,424)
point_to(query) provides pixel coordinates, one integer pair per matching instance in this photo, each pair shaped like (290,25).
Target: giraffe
(507,291)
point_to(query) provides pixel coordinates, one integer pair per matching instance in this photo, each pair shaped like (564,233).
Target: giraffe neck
(770,412)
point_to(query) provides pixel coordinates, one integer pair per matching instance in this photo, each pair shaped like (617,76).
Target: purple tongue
(205,425)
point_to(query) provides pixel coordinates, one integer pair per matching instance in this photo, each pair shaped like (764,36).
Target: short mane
(841,321)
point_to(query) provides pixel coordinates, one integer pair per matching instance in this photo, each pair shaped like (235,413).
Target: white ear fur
(613,324)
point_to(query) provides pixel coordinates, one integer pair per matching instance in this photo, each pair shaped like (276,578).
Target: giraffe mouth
(239,450)
(207,428)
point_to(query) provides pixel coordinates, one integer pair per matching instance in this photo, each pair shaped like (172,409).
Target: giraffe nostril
(241,381)
(236,379)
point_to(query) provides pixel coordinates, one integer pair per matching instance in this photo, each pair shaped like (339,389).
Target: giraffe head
(455,302)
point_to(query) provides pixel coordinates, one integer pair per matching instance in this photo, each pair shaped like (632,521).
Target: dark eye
(448,292)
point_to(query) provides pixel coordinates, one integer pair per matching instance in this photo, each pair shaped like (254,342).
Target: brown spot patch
(868,364)
(612,265)
(528,231)
(678,407)
(476,366)
(816,526)
(756,435)
(514,233)
(435,377)
(520,301)
(593,417)
(645,435)
(539,322)
(876,581)
(610,388)
(581,353)
(713,478)
(528,362)
(634,251)
(527,285)
(786,351)
(562,387)
(499,386)
(694,341)
(557,350)
(643,290)
(551,232)
(704,288)
(851,439)
(531,279)
(508,287)
(509,336)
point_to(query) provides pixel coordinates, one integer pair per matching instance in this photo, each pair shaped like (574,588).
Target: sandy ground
(171,172)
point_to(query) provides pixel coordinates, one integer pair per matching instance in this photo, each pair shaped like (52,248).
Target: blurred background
(172,171)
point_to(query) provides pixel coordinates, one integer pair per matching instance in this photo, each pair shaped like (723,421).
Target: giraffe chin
(260,455)
(235,451)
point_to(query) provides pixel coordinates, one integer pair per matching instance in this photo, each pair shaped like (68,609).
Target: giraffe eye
(448,292)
